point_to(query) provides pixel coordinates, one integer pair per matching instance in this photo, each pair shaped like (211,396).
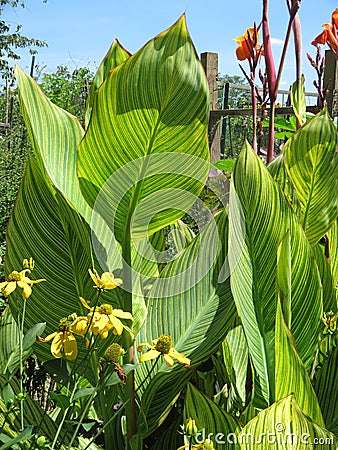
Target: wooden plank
(246,87)
(210,63)
(331,80)
(284,110)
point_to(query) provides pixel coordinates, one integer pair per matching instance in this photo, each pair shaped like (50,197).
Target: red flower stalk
(269,62)
(249,49)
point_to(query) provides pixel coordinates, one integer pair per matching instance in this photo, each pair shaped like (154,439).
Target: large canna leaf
(284,426)
(326,389)
(291,375)
(333,253)
(235,349)
(149,109)
(261,211)
(115,56)
(329,286)
(311,161)
(55,135)
(43,225)
(197,318)
(210,420)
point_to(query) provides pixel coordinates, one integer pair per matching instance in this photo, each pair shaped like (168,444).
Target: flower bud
(28,263)
(190,428)
(113,353)
(208,445)
(164,344)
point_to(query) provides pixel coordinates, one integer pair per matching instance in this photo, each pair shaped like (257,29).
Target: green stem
(271,138)
(21,364)
(130,407)
(190,442)
(122,406)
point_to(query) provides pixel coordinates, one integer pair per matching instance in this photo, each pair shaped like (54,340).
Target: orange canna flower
(330,34)
(247,45)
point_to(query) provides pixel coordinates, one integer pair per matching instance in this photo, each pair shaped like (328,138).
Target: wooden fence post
(331,80)
(210,63)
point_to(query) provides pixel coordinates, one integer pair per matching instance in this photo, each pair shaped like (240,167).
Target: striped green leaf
(311,161)
(115,56)
(197,319)
(43,225)
(284,426)
(298,100)
(279,174)
(259,208)
(171,437)
(328,284)
(326,389)
(150,110)
(235,348)
(55,135)
(291,375)
(284,277)
(333,253)
(210,420)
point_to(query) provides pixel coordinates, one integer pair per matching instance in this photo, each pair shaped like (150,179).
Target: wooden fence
(210,63)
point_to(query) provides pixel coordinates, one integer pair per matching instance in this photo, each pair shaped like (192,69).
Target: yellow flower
(162,346)
(80,326)
(190,428)
(21,280)
(106,281)
(104,318)
(63,339)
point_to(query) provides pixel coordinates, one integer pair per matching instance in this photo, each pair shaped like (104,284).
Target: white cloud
(276,41)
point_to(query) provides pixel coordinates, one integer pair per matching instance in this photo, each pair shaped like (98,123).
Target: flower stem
(123,406)
(271,137)
(254,116)
(21,364)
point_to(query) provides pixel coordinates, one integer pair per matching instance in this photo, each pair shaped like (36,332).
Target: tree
(11,40)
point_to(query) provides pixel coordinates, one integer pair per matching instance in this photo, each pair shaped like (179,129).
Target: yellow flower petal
(168,360)
(180,357)
(47,338)
(84,303)
(70,346)
(11,285)
(26,289)
(150,354)
(80,326)
(99,322)
(95,277)
(36,281)
(117,324)
(3,284)
(56,346)
(141,346)
(109,281)
(122,314)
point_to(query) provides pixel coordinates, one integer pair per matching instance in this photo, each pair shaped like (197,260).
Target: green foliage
(68,89)
(11,41)
(239,303)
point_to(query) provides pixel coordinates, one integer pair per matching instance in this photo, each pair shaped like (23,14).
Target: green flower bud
(41,441)
(190,427)
(113,353)
(164,344)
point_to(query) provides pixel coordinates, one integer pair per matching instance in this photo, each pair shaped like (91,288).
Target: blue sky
(79,33)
